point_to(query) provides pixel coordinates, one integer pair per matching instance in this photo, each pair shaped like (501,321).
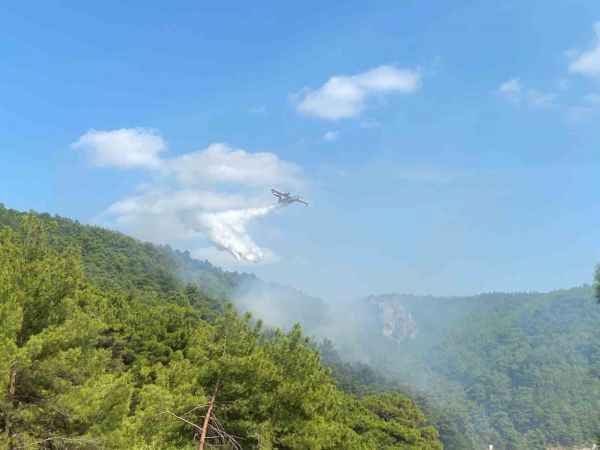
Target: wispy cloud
(514,91)
(345,96)
(587,63)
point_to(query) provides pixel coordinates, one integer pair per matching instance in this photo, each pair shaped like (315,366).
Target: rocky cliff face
(396,321)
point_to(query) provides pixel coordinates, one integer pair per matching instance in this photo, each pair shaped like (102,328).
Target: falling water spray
(227,230)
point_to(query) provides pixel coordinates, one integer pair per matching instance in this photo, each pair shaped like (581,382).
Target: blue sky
(445,149)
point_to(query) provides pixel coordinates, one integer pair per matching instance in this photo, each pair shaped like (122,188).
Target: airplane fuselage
(286,199)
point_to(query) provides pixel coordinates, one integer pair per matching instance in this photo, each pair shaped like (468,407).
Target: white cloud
(159,213)
(331,136)
(211,194)
(587,63)
(219,163)
(167,201)
(192,216)
(125,148)
(514,91)
(346,96)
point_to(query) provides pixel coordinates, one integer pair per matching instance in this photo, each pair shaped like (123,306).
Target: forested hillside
(520,371)
(114,260)
(101,346)
(531,364)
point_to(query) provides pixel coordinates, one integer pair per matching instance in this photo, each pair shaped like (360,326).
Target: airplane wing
(276,192)
(302,201)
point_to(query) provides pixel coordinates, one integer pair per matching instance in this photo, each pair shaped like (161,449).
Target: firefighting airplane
(286,199)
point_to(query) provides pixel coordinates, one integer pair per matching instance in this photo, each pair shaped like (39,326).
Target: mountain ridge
(448,360)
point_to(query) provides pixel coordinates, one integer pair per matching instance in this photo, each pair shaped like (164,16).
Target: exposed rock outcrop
(396,321)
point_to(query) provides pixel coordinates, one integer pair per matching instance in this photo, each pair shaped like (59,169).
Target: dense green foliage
(360,378)
(520,371)
(118,262)
(111,359)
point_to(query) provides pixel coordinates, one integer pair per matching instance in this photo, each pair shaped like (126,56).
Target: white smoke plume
(227,230)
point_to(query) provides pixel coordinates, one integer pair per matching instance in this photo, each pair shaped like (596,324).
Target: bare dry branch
(182,419)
